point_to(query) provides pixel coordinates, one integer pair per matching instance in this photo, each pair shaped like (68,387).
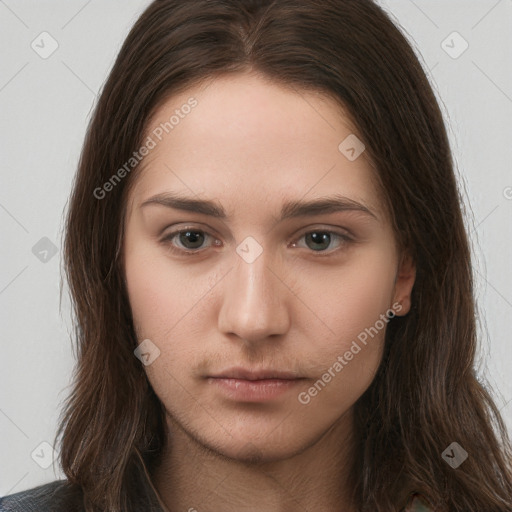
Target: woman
(227,359)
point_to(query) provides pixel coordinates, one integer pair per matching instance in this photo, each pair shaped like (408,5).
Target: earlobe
(404,282)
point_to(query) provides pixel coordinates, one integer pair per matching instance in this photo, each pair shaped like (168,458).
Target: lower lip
(254,390)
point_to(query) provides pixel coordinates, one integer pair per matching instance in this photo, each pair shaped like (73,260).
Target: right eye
(189,240)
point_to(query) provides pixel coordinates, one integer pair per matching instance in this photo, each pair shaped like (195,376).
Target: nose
(255,300)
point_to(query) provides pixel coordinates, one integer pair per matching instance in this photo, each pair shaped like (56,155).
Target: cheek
(162,301)
(148,297)
(354,311)
(352,297)
(167,300)
(160,293)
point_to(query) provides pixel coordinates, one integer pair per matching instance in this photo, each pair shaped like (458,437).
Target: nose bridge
(253,304)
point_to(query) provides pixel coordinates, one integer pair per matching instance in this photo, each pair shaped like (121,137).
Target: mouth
(260,374)
(245,385)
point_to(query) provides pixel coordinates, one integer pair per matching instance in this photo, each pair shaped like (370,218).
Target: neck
(195,477)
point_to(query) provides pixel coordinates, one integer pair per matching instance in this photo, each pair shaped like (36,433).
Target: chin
(255,453)
(256,445)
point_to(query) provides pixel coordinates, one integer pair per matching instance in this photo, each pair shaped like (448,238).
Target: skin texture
(250,145)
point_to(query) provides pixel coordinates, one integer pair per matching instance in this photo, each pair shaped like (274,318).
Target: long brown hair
(426,394)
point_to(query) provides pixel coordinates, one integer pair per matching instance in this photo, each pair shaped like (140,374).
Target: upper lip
(246,374)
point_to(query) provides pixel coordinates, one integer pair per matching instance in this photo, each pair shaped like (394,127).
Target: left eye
(192,239)
(319,239)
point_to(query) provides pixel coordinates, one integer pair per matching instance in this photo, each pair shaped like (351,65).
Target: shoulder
(57,496)
(417,503)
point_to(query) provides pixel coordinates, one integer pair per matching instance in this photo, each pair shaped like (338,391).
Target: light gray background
(45,106)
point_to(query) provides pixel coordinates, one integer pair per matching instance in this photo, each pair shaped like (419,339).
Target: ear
(404,281)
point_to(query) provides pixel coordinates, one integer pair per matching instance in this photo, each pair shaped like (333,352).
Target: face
(229,271)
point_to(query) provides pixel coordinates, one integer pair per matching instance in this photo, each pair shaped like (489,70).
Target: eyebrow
(291,209)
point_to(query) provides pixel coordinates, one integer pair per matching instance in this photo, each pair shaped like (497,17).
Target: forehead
(248,143)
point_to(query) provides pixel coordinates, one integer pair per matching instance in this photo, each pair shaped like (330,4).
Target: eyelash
(167,240)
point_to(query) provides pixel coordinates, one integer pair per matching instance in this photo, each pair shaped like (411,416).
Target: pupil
(193,237)
(319,238)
